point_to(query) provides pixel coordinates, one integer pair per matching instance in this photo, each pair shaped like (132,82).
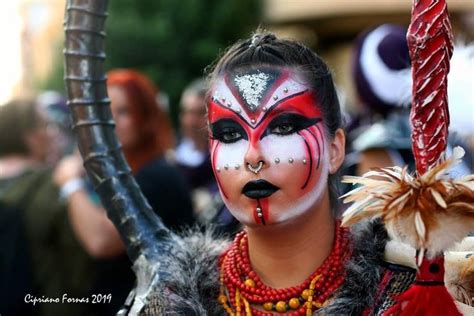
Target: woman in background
(145,134)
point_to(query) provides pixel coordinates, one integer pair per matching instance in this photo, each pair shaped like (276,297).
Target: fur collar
(190,275)
(364,271)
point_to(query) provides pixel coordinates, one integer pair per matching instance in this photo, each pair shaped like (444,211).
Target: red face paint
(267,147)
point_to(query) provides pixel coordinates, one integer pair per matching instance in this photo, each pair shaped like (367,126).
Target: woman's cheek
(230,156)
(289,160)
(300,173)
(228,163)
(289,149)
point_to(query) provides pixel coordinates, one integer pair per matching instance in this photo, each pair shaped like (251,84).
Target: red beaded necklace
(241,288)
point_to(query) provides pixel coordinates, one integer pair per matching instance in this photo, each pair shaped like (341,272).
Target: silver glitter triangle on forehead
(252,87)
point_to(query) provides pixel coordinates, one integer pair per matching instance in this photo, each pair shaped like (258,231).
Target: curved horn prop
(140,228)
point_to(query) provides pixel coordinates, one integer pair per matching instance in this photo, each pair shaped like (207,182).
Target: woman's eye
(230,136)
(283,129)
(227,131)
(290,123)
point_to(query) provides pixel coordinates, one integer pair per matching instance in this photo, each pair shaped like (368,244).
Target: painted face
(267,145)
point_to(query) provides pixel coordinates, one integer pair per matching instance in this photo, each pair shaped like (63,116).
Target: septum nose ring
(257,168)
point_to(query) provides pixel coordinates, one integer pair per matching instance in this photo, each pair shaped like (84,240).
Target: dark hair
(265,49)
(17,119)
(198,87)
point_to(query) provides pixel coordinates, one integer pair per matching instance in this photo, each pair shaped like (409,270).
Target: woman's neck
(286,255)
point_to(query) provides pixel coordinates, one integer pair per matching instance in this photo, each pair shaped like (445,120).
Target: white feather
(438,198)
(401,200)
(396,173)
(420,227)
(355,209)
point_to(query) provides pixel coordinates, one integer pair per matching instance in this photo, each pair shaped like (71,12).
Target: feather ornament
(429,212)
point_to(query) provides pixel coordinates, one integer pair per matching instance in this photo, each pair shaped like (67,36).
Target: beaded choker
(242,290)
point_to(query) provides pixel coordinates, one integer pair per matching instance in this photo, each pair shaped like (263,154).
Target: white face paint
(231,156)
(283,134)
(287,148)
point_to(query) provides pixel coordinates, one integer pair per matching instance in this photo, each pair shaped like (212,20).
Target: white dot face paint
(299,188)
(284,134)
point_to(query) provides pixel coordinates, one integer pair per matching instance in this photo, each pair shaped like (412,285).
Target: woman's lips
(259,189)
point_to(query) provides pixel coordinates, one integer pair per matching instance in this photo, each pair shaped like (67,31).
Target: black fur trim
(190,275)
(190,284)
(364,271)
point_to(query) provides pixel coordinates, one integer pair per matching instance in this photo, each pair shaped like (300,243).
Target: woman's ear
(337,151)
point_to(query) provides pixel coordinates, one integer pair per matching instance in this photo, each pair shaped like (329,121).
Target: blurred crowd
(55,235)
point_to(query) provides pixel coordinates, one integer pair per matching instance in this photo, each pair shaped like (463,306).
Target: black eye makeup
(227,131)
(289,123)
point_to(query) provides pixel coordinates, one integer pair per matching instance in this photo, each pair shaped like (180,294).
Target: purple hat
(381,68)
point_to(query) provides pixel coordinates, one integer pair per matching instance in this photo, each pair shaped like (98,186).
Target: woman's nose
(254,159)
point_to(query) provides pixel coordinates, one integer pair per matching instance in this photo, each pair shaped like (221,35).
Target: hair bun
(260,38)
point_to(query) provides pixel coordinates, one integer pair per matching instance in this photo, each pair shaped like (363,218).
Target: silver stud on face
(304,161)
(277,160)
(264,109)
(252,121)
(290,160)
(238,110)
(285,90)
(226,167)
(259,212)
(229,104)
(237,166)
(223,100)
(218,169)
(275,97)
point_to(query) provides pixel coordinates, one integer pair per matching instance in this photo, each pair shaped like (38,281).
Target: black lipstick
(259,189)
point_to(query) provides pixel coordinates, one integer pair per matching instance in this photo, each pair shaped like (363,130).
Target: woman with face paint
(276,138)
(276,146)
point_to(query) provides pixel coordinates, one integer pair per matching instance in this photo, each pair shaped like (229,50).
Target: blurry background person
(192,154)
(39,255)
(193,159)
(380,135)
(21,126)
(58,117)
(26,141)
(145,134)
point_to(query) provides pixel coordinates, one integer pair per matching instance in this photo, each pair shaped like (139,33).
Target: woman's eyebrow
(304,120)
(223,123)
